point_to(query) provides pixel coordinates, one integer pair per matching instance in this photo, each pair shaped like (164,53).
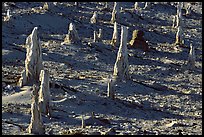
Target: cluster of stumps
(36,76)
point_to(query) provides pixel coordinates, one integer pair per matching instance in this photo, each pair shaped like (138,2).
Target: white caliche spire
(188,9)
(44,93)
(93,19)
(115,40)
(111,88)
(45,6)
(179,15)
(8,13)
(179,37)
(33,62)
(136,6)
(191,58)
(115,12)
(8,16)
(174,21)
(146,5)
(121,67)
(36,124)
(95,37)
(98,36)
(72,36)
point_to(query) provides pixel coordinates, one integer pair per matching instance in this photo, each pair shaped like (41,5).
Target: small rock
(138,41)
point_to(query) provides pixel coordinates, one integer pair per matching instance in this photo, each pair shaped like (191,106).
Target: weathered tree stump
(93,19)
(178,20)
(83,124)
(179,7)
(45,6)
(188,9)
(115,12)
(23,78)
(76,4)
(33,62)
(8,16)
(191,58)
(138,41)
(136,6)
(179,15)
(72,36)
(147,5)
(174,22)
(111,89)
(48,6)
(95,37)
(44,93)
(106,5)
(36,124)
(98,36)
(121,67)
(115,41)
(179,37)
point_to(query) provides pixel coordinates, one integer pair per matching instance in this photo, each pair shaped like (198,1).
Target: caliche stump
(36,124)
(44,93)
(33,62)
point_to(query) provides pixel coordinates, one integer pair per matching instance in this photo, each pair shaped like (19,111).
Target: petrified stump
(98,36)
(179,15)
(48,6)
(44,93)
(45,6)
(33,62)
(36,123)
(72,36)
(76,4)
(179,4)
(115,40)
(138,41)
(8,16)
(23,78)
(115,12)
(136,7)
(95,37)
(83,124)
(111,88)
(188,9)
(147,5)
(106,5)
(179,37)
(178,20)
(191,58)
(174,22)
(121,67)
(93,19)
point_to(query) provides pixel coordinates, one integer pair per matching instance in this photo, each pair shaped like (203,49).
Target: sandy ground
(162,97)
